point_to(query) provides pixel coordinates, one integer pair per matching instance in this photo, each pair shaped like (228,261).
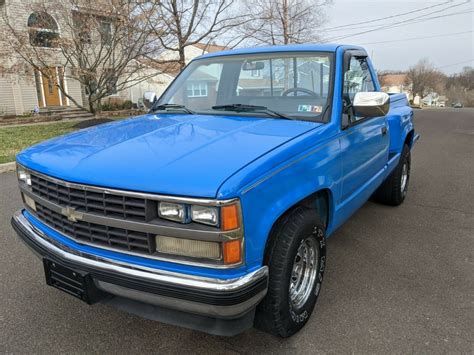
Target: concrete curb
(4,168)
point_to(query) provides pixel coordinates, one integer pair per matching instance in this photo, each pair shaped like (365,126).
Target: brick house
(394,83)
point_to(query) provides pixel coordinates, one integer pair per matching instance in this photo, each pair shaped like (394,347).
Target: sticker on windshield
(310,108)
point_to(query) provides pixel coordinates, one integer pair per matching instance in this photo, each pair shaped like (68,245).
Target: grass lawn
(15,139)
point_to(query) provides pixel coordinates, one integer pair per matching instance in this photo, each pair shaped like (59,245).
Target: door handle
(384,130)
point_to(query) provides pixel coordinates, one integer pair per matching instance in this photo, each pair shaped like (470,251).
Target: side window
(357,78)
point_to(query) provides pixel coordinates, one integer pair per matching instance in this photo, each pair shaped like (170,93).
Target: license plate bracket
(76,283)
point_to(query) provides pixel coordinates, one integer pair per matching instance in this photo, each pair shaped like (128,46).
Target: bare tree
(284,21)
(423,78)
(101,45)
(466,78)
(182,23)
(460,87)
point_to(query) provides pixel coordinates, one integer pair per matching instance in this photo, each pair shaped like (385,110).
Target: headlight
(188,247)
(205,215)
(23,175)
(229,252)
(226,222)
(172,211)
(29,201)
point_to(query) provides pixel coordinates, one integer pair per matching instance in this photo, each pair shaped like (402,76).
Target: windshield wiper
(250,108)
(172,107)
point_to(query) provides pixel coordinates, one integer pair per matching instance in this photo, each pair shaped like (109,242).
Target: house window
(43,30)
(81,28)
(106,32)
(50,86)
(255,73)
(197,90)
(91,87)
(110,80)
(112,84)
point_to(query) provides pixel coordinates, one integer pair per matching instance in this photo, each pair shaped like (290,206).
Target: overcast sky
(444,51)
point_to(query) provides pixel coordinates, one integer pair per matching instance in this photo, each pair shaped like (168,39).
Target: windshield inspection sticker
(310,108)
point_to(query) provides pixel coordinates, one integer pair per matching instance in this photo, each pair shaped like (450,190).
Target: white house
(431,99)
(165,73)
(21,93)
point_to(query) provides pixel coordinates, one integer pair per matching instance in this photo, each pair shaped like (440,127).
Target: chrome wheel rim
(303,274)
(404,178)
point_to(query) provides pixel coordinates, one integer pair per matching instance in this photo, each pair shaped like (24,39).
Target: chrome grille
(115,219)
(96,234)
(105,204)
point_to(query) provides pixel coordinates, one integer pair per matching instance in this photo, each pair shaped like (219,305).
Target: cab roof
(329,47)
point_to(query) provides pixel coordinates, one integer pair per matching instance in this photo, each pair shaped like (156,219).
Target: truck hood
(176,154)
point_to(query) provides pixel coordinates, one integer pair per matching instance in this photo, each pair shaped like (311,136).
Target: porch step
(73,115)
(65,112)
(54,109)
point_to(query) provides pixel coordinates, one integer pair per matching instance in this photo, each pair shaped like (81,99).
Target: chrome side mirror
(371,104)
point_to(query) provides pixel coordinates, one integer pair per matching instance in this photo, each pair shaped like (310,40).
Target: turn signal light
(232,251)
(230,217)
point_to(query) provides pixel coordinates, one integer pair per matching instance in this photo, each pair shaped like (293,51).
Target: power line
(439,16)
(415,38)
(452,65)
(389,17)
(413,20)
(404,22)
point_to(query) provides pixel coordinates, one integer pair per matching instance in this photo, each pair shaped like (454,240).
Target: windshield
(294,85)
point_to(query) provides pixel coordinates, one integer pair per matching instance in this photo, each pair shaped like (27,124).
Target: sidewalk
(6,167)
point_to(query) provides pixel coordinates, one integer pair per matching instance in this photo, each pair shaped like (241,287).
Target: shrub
(127,105)
(107,107)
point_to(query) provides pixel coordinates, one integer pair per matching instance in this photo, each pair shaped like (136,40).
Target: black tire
(392,192)
(277,313)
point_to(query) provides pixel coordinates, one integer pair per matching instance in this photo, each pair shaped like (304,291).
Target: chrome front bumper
(209,297)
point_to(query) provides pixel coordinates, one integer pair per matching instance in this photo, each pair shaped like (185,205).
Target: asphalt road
(398,279)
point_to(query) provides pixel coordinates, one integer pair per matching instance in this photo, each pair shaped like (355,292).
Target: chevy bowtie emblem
(71,214)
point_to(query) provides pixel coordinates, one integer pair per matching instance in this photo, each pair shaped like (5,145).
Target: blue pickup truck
(211,211)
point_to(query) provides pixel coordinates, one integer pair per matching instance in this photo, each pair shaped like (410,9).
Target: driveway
(398,279)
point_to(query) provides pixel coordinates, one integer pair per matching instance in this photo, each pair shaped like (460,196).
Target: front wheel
(394,190)
(296,257)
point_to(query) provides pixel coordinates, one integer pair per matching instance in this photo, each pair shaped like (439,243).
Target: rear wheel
(296,257)
(394,189)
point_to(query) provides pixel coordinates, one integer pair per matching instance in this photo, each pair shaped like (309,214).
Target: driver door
(364,142)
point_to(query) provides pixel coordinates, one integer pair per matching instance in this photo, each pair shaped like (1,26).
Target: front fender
(265,200)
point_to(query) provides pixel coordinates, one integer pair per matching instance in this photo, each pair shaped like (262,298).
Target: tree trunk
(98,106)
(286,25)
(182,58)
(91,105)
